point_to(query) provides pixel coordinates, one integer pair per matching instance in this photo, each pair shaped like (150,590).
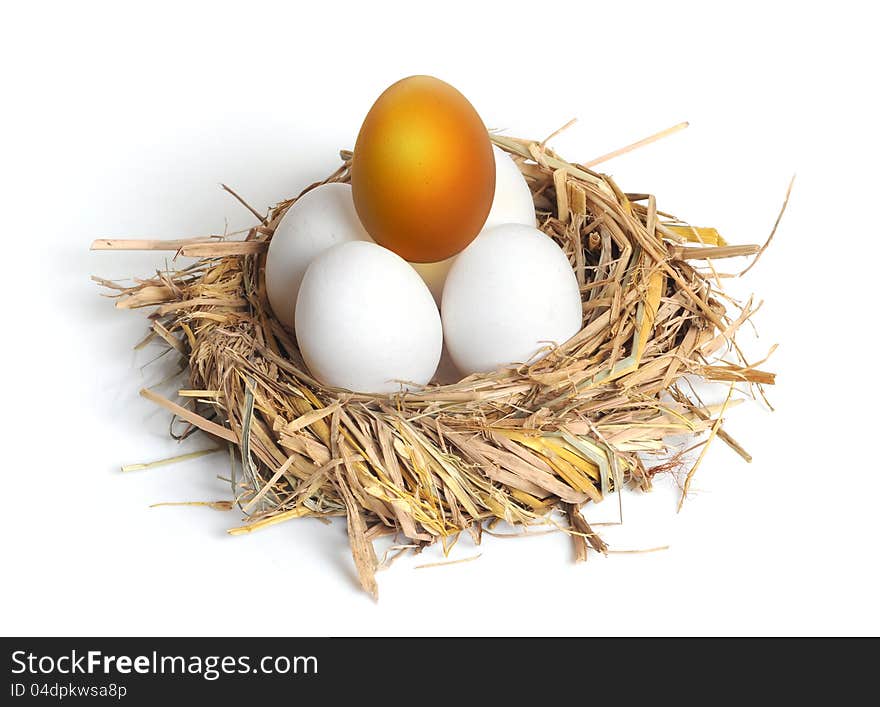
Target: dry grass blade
(634,146)
(148,244)
(169,460)
(191,417)
(773,230)
(714,431)
(449,562)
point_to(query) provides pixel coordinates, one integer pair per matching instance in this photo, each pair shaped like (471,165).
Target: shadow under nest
(522,445)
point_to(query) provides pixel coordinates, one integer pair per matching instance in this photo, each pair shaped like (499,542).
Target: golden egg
(423,171)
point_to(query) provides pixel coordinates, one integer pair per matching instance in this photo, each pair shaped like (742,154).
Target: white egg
(512,204)
(318,220)
(365,321)
(513,201)
(508,295)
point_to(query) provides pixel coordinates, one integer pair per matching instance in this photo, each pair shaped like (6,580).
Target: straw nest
(527,444)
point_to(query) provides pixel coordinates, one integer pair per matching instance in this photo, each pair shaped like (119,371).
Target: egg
(423,170)
(512,203)
(508,296)
(319,219)
(366,322)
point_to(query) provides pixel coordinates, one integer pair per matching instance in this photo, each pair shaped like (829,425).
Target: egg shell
(423,170)
(512,203)
(318,220)
(507,296)
(365,321)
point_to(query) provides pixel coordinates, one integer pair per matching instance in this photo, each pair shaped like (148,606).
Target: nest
(525,445)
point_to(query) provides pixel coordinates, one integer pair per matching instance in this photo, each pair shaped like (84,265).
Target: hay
(521,445)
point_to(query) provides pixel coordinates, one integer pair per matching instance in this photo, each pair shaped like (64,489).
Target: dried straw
(520,444)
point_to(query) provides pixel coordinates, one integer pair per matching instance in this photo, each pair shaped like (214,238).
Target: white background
(121,119)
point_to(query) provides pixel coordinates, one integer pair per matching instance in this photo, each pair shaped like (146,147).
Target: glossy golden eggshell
(423,170)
